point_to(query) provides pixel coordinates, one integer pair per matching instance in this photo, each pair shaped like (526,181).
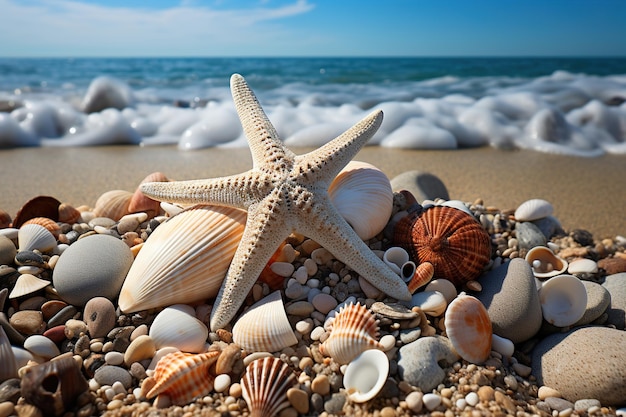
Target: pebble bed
(110,350)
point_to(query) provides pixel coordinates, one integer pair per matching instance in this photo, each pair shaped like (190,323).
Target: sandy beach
(587,193)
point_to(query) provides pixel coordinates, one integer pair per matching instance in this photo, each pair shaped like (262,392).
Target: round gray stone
(598,300)
(528,236)
(423,185)
(616,286)
(7,251)
(108,374)
(418,362)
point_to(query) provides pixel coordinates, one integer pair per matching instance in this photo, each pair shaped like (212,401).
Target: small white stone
(300,275)
(317,333)
(582,266)
(311,267)
(431,401)
(502,345)
(118,387)
(313,283)
(461,403)
(221,383)
(114,358)
(472,399)
(304,326)
(387,342)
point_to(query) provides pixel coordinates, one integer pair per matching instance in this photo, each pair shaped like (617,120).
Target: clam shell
(7,358)
(113,204)
(362,194)
(40,206)
(264,386)
(468,327)
(176,326)
(432,303)
(52,226)
(183,376)
(421,276)
(366,375)
(563,300)
(140,202)
(27,284)
(545,263)
(188,255)
(35,237)
(264,327)
(68,214)
(533,210)
(582,267)
(450,239)
(353,330)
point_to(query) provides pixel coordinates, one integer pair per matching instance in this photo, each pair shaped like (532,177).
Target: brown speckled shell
(450,239)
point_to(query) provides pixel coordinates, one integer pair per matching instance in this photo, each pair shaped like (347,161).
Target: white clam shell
(545,263)
(533,210)
(431,302)
(582,267)
(445,287)
(176,326)
(35,237)
(184,260)
(563,300)
(395,257)
(264,327)
(362,194)
(7,358)
(366,375)
(27,284)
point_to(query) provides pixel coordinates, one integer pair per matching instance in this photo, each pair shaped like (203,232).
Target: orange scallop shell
(469,329)
(450,239)
(265,384)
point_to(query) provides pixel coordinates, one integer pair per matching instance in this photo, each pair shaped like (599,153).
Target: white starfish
(282,193)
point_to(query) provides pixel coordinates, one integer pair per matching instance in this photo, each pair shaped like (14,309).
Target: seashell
(41,206)
(35,237)
(68,214)
(366,375)
(27,284)
(432,303)
(533,210)
(362,194)
(264,386)
(445,287)
(582,267)
(52,226)
(563,300)
(468,327)
(450,239)
(177,326)
(352,331)
(421,276)
(395,257)
(189,254)
(113,204)
(7,358)
(184,376)
(141,202)
(264,327)
(545,263)
(54,386)
(5,219)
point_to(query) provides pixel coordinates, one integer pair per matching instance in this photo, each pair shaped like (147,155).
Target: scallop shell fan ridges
(265,384)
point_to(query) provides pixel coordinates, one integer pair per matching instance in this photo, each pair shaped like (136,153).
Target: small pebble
(221,383)
(298,400)
(324,303)
(114,358)
(472,399)
(545,392)
(320,385)
(431,401)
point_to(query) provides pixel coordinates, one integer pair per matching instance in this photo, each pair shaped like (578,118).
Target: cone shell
(264,327)
(113,204)
(468,327)
(140,202)
(450,239)
(422,276)
(183,376)
(185,259)
(353,330)
(264,386)
(51,225)
(362,194)
(35,237)
(27,284)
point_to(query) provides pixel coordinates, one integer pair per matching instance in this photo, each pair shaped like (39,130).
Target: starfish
(283,193)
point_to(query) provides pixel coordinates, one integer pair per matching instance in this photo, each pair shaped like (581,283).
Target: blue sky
(312,28)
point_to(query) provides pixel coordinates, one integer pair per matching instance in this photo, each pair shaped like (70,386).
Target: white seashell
(362,194)
(445,287)
(27,284)
(171,209)
(431,302)
(533,210)
(177,326)
(35,237)
(545,263)
(563,300)
(7,358)
(366,375)
(41,346)
(468,327)
(184,260)
(582,267)
(264,326)
(457,204)
(395,257)
(264,386)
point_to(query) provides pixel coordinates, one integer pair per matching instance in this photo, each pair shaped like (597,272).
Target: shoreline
(587,193)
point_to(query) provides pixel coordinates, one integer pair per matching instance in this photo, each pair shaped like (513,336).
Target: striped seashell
(113,204)
(68,214)
(183,376)
(468,327)
(449,238)
(35,237)
(353,330)
(177,326)
(264,386)
(189,255)
(141,202)
(27,284)
(422,276)
(264,327)
(51,225)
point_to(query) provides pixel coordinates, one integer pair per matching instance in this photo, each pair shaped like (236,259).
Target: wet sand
(587,193)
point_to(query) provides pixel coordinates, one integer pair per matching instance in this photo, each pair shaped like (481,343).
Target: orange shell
(49,224)
(469,329)
(183,376)
(265,384)
(68,214)
(450,239)
(422,276)
(140,202)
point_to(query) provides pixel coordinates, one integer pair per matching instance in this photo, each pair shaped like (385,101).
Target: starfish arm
(264,232)
(265,145)
(324,163)
(330,230)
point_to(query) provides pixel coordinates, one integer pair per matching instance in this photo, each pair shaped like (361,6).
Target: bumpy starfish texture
(282,193)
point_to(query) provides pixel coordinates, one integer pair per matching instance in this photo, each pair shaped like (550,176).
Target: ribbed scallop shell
(140,202)
(27,284)
(533,210)
(51,225)
(113,204)
(468,327)
(185,259)
(264,327)
(450,239)
(353,330)
(184,376)
(362,194)
(264,386)
(35,237)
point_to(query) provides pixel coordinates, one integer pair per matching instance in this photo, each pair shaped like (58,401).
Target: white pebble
(300,275)
(114,358)
(311,267)
(304,326)
(93,385)
(221,383)
(461,403)
(317,333)
(502,345)
(431,401)
(313,283)
(472,399)
(118,387)
(387,342)
(109,393)
(137,392)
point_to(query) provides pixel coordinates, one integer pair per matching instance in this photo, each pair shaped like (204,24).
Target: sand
(587,193)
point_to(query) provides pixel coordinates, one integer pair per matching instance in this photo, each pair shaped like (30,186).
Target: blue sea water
(562,105)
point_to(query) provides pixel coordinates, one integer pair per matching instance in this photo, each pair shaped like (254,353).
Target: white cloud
(67,27)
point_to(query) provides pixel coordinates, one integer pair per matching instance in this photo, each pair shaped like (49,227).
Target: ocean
(571,106)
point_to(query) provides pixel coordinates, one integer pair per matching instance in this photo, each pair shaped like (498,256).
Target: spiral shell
(264,386)
(35,237)
(468,327)
(353,330)
(450,239)
(362,194)
(113,204)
